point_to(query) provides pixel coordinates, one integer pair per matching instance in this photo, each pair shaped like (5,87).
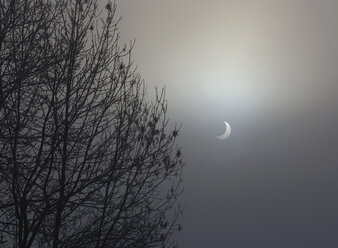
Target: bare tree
(86,160)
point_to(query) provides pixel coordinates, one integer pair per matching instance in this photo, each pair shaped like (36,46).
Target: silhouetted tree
(86,160)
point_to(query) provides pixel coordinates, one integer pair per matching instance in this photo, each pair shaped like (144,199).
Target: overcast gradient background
(269,68)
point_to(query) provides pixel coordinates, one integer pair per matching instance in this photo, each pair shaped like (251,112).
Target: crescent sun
(226,133)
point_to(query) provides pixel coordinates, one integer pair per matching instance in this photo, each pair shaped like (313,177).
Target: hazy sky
(269,68)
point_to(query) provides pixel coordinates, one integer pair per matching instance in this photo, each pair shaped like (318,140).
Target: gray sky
(269,68)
